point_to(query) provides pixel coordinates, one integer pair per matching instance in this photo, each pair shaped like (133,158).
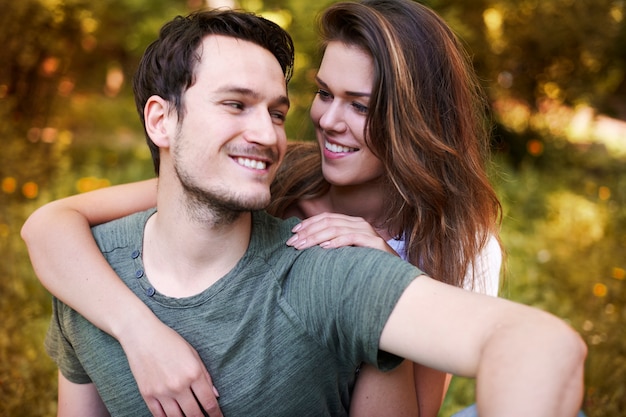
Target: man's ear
(160,121)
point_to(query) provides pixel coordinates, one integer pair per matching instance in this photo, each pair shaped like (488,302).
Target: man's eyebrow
(347,93)
(244,91)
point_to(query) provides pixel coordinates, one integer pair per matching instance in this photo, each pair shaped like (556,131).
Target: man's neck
(185,253)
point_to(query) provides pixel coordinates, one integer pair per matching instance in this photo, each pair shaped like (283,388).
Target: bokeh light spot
(49,134)
(535,147)
(86,184)
(599,290)
(30,190)
(50,65)
(604,193)
(9,185)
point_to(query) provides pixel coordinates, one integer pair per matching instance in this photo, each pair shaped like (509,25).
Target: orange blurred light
(604,193)
(50,65)
(535,147)
(9,185)
(89,43)
(114,81)
(66,86)
(599,290)
(30,190)
(619,273)
(86,184)
(33,134)
(48,134)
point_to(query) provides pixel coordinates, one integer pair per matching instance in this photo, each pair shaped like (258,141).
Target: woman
(399,121)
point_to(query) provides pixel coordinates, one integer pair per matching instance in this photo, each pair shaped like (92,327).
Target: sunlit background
(555,74)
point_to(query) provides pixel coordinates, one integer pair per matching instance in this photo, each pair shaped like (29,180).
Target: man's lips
(253,163)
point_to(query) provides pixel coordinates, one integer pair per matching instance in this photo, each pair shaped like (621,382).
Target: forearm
(68,262)
(527,362)
(431,386)
(543,375)
(168,371)
(71,266)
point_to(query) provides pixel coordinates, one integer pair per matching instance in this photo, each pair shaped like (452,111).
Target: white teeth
(251,163)
(338,149)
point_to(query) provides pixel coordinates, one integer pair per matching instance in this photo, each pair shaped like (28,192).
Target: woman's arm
(77,400)
(526,361)
(69,264)
(411,390)
(332,230)
(65,256)
(378,393)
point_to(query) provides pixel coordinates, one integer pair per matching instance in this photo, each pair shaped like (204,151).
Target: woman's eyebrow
(347,93)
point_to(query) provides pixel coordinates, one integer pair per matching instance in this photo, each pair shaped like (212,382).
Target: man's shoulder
(121,232)
(270,235)
(272,230)
(266,219)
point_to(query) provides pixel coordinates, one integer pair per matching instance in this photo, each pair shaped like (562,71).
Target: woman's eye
(324,95)
(360,108)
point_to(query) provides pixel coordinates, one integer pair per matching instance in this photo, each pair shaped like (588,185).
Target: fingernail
(217,394)
(296,227)
(292,240)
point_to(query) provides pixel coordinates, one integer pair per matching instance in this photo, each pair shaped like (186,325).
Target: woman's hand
(332,230)
(171,376)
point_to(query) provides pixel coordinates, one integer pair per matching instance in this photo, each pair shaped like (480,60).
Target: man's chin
(258,204)
(248,202)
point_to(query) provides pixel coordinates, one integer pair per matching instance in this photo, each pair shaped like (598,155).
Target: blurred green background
(555,74)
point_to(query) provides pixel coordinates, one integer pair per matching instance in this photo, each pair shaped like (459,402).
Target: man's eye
(278,117)
(234,104)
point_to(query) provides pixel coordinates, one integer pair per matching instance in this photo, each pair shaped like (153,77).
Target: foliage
(571,50)
(70,126)
(565,237)
(564,232)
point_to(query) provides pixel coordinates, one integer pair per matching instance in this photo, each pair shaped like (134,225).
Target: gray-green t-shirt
(281,334)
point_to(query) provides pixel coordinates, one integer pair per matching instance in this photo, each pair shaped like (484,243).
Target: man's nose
(261,129)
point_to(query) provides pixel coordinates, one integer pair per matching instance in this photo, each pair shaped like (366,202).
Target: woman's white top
(487,266)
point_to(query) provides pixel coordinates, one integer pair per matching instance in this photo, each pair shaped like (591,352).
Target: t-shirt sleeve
(60,349)
(486,270)
(345,296)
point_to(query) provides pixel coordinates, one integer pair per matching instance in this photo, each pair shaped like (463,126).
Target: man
(281,330)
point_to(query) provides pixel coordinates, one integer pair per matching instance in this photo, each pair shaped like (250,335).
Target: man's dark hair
(168,65)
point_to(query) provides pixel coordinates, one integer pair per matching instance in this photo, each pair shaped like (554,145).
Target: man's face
(232,137)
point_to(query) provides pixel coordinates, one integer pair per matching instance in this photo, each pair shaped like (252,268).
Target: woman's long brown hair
(428,124)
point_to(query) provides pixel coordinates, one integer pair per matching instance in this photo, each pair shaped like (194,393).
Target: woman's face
(339,112)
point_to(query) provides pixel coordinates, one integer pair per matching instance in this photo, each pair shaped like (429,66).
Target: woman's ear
(158,120)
